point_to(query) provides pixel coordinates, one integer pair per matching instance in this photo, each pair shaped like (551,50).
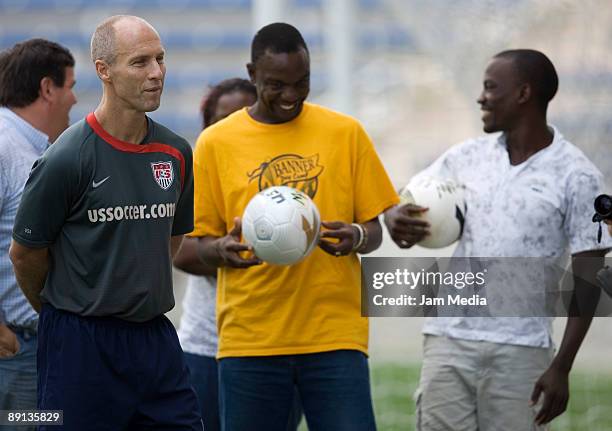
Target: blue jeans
(18,377)
(256,393)
(204,379)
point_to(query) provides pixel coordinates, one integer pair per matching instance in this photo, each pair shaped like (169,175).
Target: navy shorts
(110,374)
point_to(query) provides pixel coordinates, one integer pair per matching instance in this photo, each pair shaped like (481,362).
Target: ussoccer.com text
(131,212)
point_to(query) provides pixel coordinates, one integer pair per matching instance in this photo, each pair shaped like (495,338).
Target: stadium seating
(206,41)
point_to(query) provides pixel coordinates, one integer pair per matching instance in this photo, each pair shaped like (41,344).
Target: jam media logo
(290,170)
(163,174)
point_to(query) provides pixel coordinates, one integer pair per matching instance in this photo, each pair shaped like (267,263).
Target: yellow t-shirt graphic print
(290,170)
(314,305)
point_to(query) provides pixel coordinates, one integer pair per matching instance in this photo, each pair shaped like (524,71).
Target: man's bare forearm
(175,244)
(31,280)
(187,259)
(207,251)
(575,331)
(582,308)
(31,267)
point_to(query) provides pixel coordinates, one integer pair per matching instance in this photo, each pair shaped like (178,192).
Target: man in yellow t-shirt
(282,326)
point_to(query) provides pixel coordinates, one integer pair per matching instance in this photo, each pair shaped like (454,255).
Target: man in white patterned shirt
(529,193)
(36,81)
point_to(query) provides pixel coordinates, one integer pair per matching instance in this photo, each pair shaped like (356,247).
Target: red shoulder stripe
(152,147)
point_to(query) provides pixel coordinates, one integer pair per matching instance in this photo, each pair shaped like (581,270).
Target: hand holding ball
(446,205)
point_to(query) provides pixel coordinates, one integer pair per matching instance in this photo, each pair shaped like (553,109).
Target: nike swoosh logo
(99,183)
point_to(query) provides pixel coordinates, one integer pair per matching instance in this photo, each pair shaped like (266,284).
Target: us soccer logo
(163,174)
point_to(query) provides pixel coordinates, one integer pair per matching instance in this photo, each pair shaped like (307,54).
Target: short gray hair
(103,40)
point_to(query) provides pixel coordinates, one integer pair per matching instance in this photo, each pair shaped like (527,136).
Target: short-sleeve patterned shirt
(539,208)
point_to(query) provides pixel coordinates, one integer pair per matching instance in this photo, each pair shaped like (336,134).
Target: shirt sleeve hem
(30,243)
(375,211)
(182,230)
(199,231)
(599,247)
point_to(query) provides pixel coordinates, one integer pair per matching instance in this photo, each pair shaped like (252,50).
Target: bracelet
(364,243)
(363,237)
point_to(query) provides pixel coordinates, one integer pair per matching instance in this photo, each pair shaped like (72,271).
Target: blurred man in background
(102,214)
(529,193)
(36,82)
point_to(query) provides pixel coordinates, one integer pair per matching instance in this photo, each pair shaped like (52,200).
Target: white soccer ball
(282,224)
(447,208)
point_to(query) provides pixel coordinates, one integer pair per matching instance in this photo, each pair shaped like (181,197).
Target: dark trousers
(110,374)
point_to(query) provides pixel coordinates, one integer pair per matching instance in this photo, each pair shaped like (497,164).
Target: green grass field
(590,405)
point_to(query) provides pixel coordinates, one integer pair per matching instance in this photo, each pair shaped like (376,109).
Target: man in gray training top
(102,214)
